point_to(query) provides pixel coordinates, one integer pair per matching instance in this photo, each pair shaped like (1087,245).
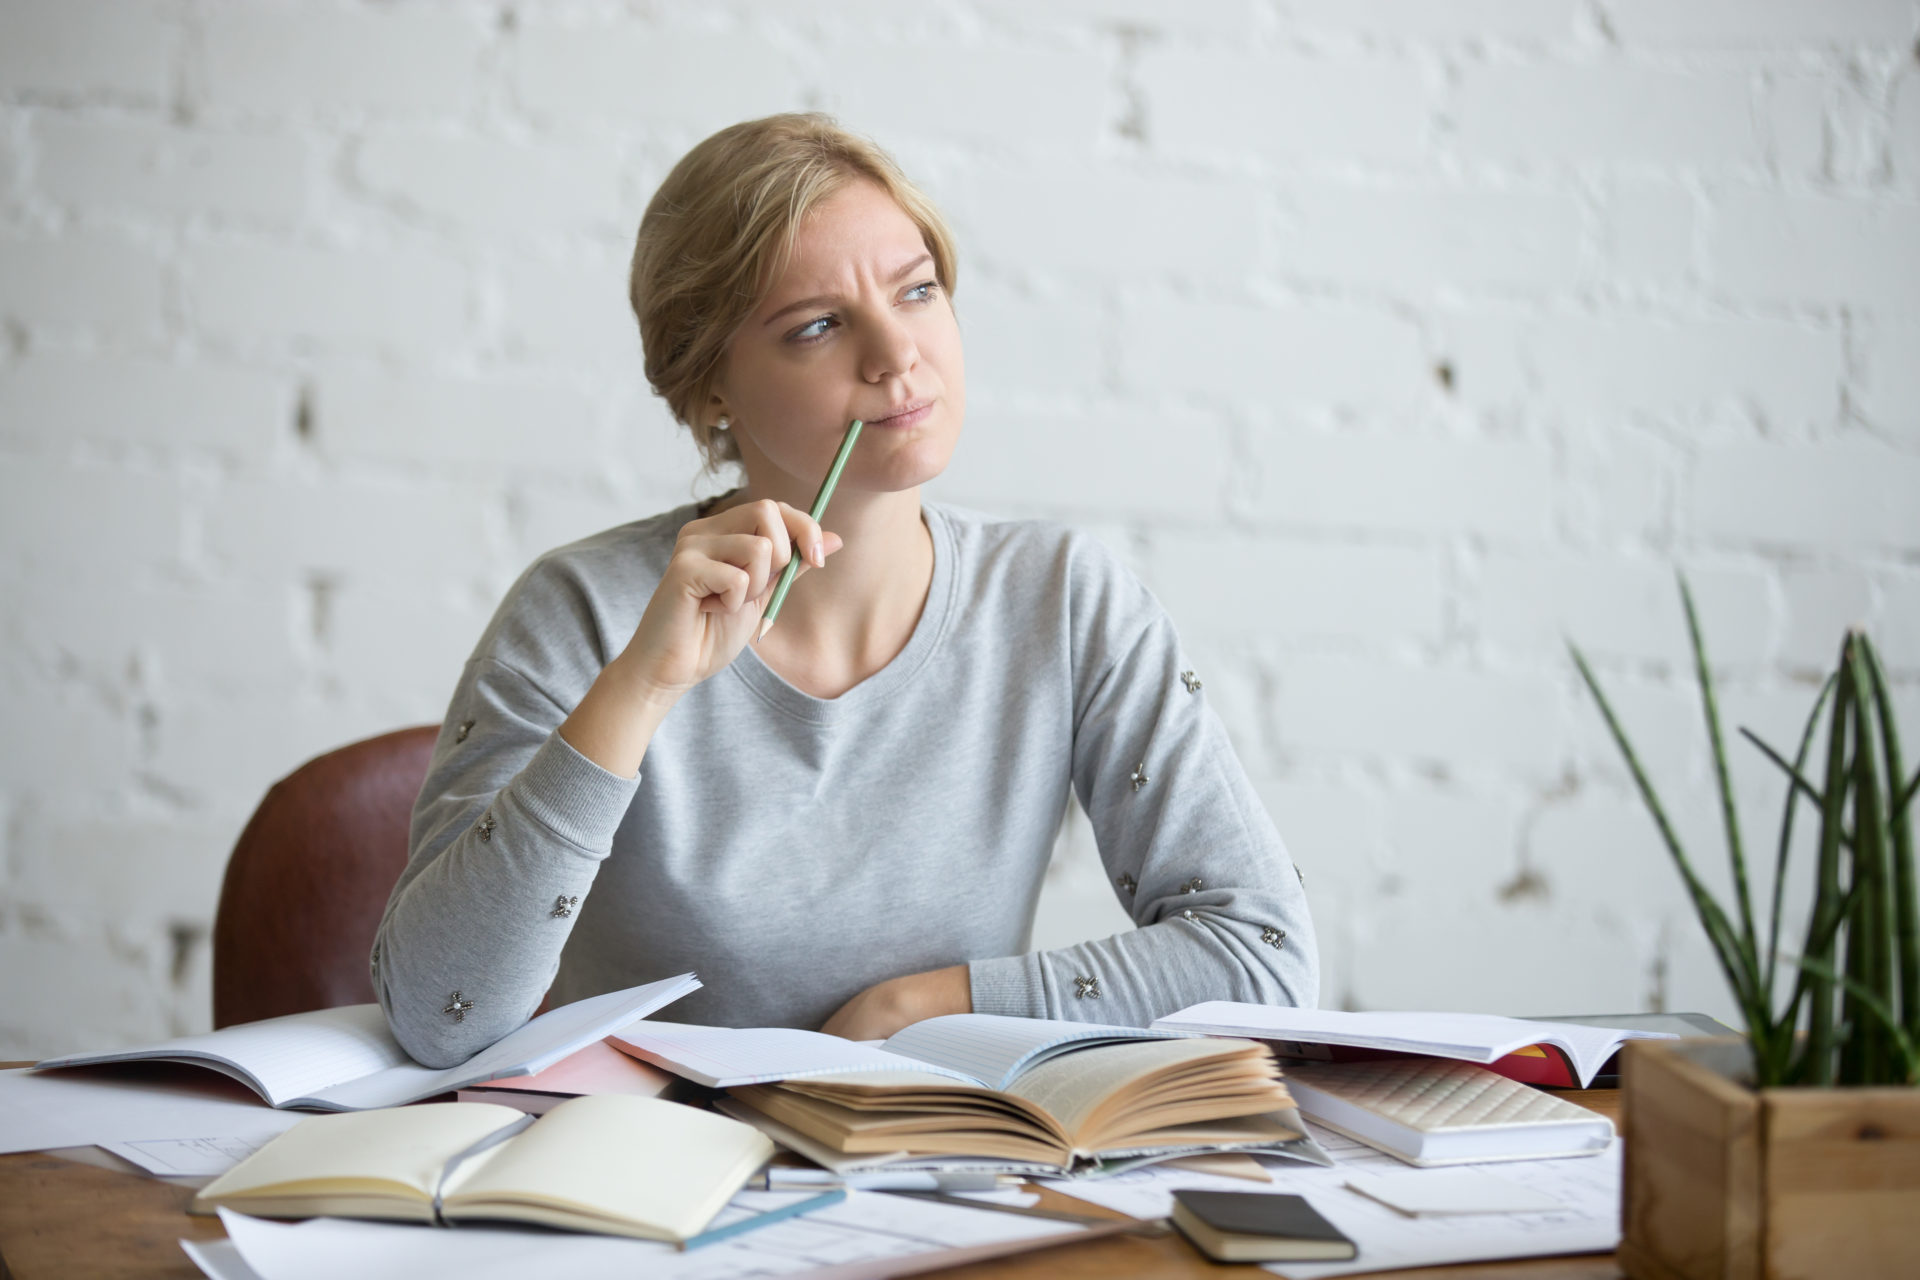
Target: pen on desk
(766,1219)
(820,501)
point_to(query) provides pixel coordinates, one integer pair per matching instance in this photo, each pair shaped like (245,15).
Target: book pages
(994,1049)
(725,1057)
(282,1058)
(1074,1087)
(1470,1037)
(533,1047)
(355,1152)
(632,1165)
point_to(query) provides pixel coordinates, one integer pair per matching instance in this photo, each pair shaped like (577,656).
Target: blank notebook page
(291,1056)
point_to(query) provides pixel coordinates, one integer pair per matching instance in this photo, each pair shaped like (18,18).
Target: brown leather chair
(310,876)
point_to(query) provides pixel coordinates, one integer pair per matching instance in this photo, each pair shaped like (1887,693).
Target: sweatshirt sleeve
(509,830)
(1187,845)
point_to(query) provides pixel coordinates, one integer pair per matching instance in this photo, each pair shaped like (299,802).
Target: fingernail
(819,554)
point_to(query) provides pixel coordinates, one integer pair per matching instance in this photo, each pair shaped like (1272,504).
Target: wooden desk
(60,1219)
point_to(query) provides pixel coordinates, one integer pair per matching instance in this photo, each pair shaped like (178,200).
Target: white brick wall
(1395,343)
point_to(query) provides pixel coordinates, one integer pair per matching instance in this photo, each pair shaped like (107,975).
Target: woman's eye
(813,330)
(924,291)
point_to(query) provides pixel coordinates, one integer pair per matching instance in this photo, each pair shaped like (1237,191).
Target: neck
(846,621)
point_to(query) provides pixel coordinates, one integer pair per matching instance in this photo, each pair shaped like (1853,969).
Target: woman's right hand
(707,606)
(716,587)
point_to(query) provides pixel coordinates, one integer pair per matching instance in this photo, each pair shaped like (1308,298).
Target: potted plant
(1797,1152)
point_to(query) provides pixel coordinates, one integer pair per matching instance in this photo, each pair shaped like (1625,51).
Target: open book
(1506,1044)
(1042,1096)
(346,1059)
(613,1164)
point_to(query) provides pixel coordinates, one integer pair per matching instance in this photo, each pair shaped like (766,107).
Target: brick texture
(1395,344)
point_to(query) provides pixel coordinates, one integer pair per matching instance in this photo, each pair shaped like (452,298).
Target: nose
(890,351)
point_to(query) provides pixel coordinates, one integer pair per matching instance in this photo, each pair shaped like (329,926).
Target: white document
(864,1237)
(187,1157)
(40,1111)
(1451,1191)
(1471,1037)
(346,1060)
(219,1260)
(1586,1219)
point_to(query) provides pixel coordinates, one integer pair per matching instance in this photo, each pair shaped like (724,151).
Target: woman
(845,826)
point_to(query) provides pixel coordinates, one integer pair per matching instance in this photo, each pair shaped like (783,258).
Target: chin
(909,467)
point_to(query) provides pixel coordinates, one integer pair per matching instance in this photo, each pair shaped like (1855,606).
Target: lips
(907,415)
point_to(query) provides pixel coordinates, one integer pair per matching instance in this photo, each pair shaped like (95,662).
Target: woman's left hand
(885,1007)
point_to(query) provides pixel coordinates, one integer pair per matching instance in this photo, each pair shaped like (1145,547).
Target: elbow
(438,1043)
(1281,970)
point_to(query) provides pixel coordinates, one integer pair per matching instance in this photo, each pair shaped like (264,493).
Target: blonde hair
(718,233)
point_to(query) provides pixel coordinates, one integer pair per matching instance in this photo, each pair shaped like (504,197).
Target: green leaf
(1827,910)
(1873,926)
(1906,896)
(1738,963)
(1792,768)
(1791,806)
(1907,793)
(1736,854)
(1818,940)
(1904,1044)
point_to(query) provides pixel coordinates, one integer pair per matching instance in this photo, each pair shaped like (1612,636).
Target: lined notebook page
(533,1047)
(994,1049)
(722,1057)
(282,1058)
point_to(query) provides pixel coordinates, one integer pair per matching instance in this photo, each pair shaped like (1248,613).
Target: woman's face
(855,327)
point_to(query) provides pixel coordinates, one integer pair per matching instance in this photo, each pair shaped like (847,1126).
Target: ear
(716,409)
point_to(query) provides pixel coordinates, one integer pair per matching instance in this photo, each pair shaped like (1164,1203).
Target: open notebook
(1033,1095)
(613,1164)
(345,1059)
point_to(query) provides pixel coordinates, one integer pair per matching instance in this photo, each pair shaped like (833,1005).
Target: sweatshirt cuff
(572,796)
(1010,986)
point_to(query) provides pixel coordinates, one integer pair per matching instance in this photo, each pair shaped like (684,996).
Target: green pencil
(820,501)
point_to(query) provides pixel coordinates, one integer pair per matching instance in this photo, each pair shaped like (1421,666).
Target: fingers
(712,582)
(786,527)
(737,566)
(730,560)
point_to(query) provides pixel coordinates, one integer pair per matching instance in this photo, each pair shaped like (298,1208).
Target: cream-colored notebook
(1430,1111)
(607,1163)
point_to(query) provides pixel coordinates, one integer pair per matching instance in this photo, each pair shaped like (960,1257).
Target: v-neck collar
(773,689)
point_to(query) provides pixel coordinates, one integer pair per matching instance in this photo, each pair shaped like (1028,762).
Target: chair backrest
(310,876)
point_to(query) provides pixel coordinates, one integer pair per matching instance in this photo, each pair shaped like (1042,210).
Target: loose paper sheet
(1587,1219)
(866,1235)
(42,1110)
(1452,1191)
(187,1157)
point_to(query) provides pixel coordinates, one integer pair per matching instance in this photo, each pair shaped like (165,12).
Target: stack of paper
(867,1235)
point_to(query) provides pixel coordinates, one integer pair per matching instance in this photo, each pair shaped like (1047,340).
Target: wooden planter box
(1727,1182)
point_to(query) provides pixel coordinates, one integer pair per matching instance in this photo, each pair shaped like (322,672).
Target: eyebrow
(821,300)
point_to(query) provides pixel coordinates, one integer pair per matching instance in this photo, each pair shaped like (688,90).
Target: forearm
(491,903)
(1251,947)
(616,720)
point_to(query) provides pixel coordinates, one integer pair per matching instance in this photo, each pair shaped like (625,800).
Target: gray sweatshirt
(794,850)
